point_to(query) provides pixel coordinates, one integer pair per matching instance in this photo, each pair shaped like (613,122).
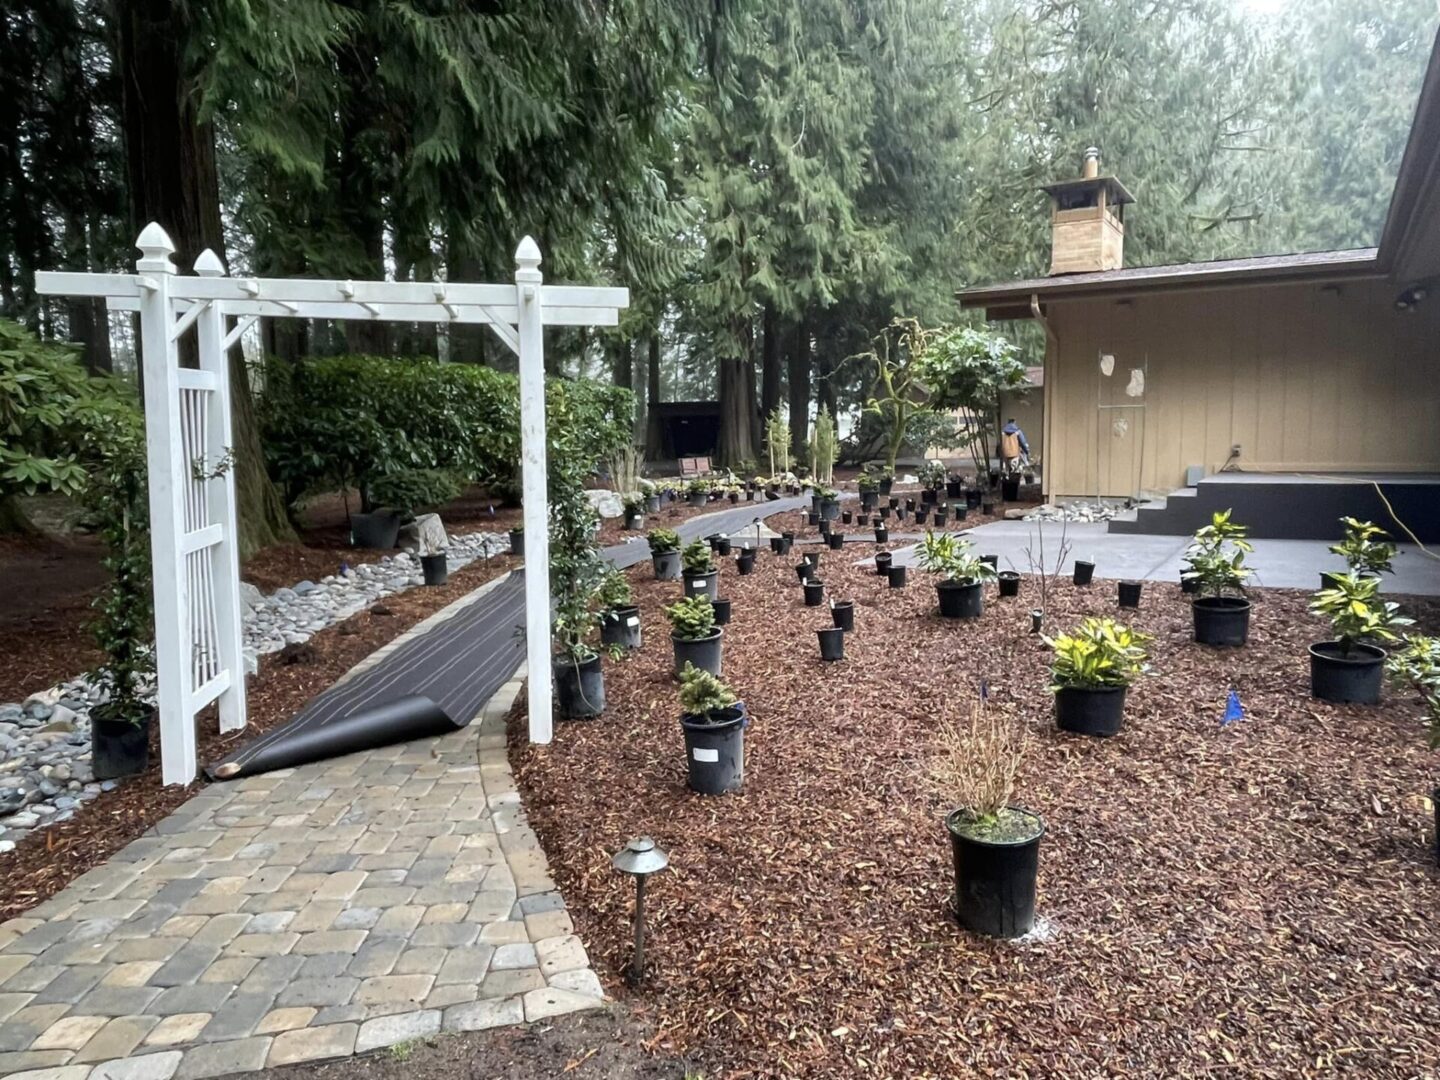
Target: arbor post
(530,327)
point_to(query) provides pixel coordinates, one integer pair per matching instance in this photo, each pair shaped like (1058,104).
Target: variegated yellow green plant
(1097,653)
(1357,614)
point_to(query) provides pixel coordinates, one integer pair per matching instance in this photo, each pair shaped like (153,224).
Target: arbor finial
(527,255)
(209,264)
(156,247)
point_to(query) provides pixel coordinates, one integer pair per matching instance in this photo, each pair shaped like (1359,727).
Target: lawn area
(1255,898)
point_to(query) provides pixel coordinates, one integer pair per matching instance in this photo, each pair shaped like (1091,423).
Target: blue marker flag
(1233,709)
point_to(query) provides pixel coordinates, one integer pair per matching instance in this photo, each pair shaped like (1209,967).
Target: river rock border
(45,773)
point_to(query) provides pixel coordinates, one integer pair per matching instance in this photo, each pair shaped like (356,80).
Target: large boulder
(608,504)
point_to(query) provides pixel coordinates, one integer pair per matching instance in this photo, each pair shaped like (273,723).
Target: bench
(694,466)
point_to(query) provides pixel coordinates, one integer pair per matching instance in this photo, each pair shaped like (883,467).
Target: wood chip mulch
(1257,899)
(45,861)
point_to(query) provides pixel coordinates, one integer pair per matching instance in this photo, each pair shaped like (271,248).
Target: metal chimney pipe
(1091,169)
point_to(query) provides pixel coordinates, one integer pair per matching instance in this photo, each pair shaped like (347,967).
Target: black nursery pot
(909,505)
(1341,679)
(804,570)
(667,565)
(715,750)
(812,518)
(1084,572)
(380,529)
(987,508)
(697,498)
(722,612)
(705,653)
(973,498)
(993,560)
(954,489)
(829,509)
(832,643)
(897,576)
(745,564)
(920,516)
(1130,593)
(1190,586)
(118,747)
(846,517)
(884,513)
(895,502)
(940,516)
(634,522)
(837,541)
(882,563)
(814,592)
(703,584)
(813,558)
(882,535)
(1327,578)
(777,545)
(1010,488)
(1090,710)
(652,504)
(928,496)
(886,485)
(579,688)
(961,599)
(961,510)
(1221,620)
(436,568)
(722,545)
(1009,583)
(621,626)
(842,613)
(995,880)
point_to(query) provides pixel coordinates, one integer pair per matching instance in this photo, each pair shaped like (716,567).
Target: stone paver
(306,914)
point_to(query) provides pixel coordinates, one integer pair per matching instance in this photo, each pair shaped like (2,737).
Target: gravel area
(1257,898)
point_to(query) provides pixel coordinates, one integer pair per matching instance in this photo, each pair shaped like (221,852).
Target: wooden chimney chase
(1088,221)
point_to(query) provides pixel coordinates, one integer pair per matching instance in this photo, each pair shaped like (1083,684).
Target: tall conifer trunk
(170,169)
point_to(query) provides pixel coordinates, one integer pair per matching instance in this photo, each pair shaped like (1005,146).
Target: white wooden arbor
(188,442)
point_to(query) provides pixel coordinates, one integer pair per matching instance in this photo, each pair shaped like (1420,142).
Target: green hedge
(347,421)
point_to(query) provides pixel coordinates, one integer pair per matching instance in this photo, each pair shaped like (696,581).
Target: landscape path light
(640,858)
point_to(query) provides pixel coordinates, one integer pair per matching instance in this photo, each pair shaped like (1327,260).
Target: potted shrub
(634,512)
(579,676)
(1350,667)
(829,503)
(697,492)
(1215,560)
(116,496)
(696,638)
(1366,549)
(869,487)
(701,574)
(395,497)
(619,617)
(517,540)
(961,590)
(995,845)
(714,723)
(1417,666)
(665,553)
(932,479)
(886,481)
(1093,667)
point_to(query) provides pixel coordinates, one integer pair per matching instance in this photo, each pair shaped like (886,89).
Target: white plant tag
(633,620)
(704,753)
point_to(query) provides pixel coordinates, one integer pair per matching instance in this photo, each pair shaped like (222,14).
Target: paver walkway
(305,913)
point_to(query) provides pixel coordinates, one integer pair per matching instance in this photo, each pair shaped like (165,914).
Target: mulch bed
(50,585)
(45,861)
(1258,898)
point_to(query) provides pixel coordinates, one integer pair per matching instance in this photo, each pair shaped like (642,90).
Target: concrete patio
(1279,564)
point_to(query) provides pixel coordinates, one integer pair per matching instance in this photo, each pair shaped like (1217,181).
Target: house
(1188,381)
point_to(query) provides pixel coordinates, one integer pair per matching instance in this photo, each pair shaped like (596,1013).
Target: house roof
(1307,266)
(1409,246)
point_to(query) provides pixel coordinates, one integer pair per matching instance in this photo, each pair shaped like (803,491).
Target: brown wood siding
(1302,377)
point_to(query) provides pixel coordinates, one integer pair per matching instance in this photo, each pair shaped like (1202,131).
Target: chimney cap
(1115,192)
